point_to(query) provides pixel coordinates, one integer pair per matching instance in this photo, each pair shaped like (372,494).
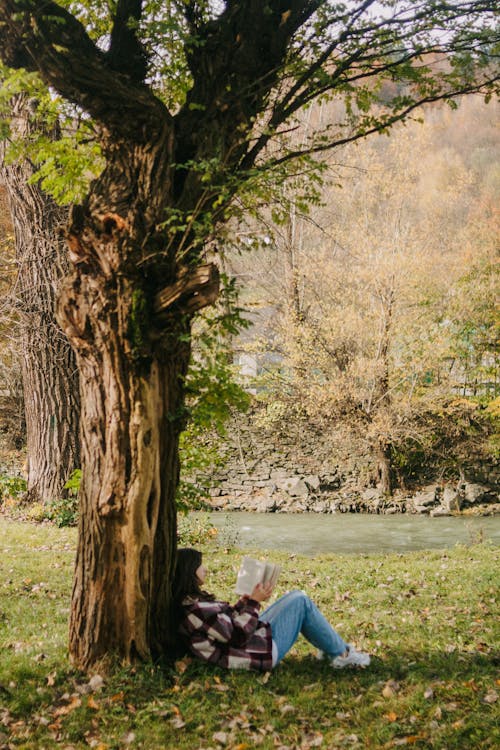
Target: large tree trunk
(130,430)
(132,357)
(49,373)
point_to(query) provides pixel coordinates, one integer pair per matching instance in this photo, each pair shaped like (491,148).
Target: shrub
(12,487)
(64,512)
(193,531)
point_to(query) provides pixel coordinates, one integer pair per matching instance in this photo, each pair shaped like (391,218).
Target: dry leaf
(177,723)
(51,679)
(390,688)
(92,703)
(391,716)
(490,697)
(428,693)
(96,682)
(438,713)
(117,697)
(63,710)
(408,740)
(285,16)
(181,665)
(220,737)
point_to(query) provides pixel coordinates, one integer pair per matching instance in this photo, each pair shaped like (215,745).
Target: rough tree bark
(49,372)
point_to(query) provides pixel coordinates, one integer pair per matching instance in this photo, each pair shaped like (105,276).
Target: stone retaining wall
(301,471)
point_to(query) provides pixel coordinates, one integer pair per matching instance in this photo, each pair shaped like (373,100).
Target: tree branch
(43,37)
(194,289)
(384,123)
(234,64)
(126,53)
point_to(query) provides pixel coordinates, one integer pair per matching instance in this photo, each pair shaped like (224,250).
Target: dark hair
(185,581)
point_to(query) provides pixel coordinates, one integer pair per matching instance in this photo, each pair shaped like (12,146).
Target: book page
(271,573)
(250,573)
(254,571)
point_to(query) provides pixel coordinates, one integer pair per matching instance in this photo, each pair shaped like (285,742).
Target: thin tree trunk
(50,377)
(384,466)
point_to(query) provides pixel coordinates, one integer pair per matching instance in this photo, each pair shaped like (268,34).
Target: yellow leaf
(182,665)
(285,16)
(92,703)
(391,716)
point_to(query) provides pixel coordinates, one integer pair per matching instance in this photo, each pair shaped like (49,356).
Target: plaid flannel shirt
(232,637)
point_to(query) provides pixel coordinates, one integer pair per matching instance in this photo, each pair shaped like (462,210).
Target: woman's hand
(261,592)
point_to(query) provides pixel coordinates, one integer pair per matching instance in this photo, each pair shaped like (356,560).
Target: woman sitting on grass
(237,637)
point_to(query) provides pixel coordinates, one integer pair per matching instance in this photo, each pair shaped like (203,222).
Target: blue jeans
(295,613)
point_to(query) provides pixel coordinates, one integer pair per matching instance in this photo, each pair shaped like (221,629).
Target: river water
(313,533)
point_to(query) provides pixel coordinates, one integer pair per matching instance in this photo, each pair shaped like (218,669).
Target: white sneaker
(353,659)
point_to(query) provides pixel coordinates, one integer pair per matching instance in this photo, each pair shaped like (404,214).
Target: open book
(252,572)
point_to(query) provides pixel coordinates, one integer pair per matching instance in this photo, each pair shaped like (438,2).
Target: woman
(236,637)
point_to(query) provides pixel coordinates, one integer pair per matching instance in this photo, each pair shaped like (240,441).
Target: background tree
(396,282)
(11,393)
(49,372)
(140,241)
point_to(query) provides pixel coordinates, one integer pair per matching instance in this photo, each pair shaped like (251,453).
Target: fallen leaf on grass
(117,697)
(410,739)
(92,703)
(471,684)
(51,679)
(428,693)
(64,710)
(490,697)
(391,716)
(177,723)
(390,688)
(220,737)
(96,682)
(312,740)
(181,665)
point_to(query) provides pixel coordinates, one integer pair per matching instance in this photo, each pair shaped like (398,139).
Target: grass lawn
(429,619)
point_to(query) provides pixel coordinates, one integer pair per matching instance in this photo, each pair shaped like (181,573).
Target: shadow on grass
(433,665)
